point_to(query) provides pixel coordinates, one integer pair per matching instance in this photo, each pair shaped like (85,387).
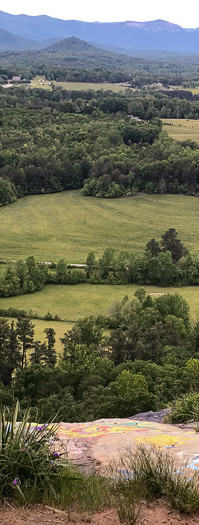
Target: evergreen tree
(50,356)
(153,247)
(13,355)
(38,353)
(25,332)
(90,261)
(9,351)
(172,244)
(4,339)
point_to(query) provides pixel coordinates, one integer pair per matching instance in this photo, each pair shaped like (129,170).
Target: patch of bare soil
(154,514)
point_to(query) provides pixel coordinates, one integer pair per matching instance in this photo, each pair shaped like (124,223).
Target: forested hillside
(75,59)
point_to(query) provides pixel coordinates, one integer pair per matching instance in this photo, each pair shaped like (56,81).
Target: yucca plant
(28,462)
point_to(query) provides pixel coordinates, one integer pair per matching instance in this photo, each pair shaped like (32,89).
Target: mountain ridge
(8,41)
(152,35)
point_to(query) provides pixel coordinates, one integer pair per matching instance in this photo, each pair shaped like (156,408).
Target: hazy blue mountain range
(9,41)
(157,35)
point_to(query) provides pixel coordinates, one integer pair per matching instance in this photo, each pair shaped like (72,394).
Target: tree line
(29,276)
(164,263)
(147,103)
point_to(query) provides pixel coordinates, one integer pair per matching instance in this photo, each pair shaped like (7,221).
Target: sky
(175,11)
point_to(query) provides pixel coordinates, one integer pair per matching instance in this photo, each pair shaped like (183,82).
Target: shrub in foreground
(152,474)
(185,409)
(32,471)
(27,461)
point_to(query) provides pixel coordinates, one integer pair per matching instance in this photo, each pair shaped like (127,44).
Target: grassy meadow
(195,90)
(181,129)
(60,329)
(73,302)
(40,325)
(39,82)
(69,225)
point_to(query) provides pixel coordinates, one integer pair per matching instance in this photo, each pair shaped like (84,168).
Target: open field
(181,129)
(40,325)
(39,82)
(195,90)
(68,225)
(60,329)
(73,302)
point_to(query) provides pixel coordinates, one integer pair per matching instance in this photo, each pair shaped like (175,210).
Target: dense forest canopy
(57,140)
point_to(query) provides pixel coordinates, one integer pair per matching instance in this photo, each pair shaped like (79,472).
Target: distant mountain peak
(154,26)
(71,43)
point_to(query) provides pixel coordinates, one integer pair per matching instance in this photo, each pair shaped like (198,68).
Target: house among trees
(134,118)
(16,78)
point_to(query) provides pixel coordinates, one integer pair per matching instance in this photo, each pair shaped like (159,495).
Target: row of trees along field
(149,358)
(54,141)
(164,263)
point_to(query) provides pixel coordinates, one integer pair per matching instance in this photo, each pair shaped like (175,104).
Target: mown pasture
(194,90)
(181,129)
(40,82)
(68,225)
(74,302)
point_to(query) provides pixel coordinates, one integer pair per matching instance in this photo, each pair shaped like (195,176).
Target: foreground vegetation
(33,471)
(151,474)
(147,359)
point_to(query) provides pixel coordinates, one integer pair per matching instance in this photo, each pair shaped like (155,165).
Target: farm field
(181,129)
(195,90)
(40,325)
(39,82)
(69,225)
(74,302)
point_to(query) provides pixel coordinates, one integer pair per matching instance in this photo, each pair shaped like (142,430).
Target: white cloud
(109,10)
